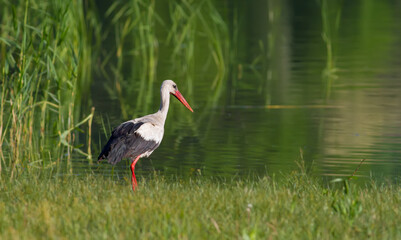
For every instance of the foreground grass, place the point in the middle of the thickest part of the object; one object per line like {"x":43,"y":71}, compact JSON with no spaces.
{"x":99,"y":208}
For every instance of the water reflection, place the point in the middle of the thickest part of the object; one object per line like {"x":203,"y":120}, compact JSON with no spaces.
{"x":226,"y":57}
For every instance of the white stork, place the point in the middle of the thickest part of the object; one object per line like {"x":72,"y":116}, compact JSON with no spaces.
{"x":141,"y":136}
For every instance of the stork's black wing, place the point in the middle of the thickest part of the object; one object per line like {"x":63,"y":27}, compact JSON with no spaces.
{"x":121,"y":141}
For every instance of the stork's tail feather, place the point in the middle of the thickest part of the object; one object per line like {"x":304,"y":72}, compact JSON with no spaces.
{"x":103,"y":154}
{"x":101,"y":157}
{"x":105,"y":151}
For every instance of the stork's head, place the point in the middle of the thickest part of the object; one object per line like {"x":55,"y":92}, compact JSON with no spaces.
{"x":171,"y":87}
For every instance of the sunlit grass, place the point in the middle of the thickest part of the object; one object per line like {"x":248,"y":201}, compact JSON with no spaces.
{"x":294,"y":207}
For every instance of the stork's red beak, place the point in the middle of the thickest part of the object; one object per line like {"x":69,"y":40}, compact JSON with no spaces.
{"x":179,"y":96}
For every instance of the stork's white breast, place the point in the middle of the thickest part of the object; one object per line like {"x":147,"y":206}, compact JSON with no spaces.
{"x":151,"y":132}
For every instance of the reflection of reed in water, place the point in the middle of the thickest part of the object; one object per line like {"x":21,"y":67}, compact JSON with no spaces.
{"x":133,"y":23}
{"x":331,"y":15}
{"x":140,"y":28}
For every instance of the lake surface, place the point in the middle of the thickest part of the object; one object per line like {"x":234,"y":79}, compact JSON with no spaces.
{"x":265,"y":89}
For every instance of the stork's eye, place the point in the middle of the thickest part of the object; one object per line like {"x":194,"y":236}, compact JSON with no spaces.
{"x":175,"y":86}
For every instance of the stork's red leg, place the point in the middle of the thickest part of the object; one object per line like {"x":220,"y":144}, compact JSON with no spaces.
{"x":133,"y":178}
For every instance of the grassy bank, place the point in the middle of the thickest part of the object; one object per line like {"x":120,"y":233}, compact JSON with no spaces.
{"x":99,"y":208}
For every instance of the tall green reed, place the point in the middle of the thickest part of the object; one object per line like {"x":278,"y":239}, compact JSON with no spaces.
{"x":45,"y":65}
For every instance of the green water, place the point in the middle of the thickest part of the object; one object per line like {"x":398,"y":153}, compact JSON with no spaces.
{"x":271,"y":82}
{"x":281,"y":96}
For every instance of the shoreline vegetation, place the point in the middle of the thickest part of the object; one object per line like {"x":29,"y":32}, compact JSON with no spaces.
{"x":293,"y":207}
{"x":46,"y":58}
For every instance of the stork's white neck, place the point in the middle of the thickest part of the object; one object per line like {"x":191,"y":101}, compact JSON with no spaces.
{"x":164,"y":104}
